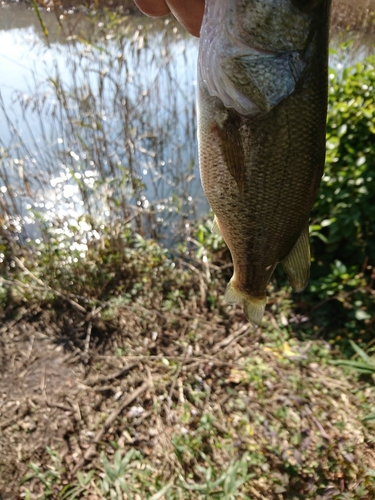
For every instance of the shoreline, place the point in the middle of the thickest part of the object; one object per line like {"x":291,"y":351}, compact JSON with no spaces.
{"x":344,"y":15}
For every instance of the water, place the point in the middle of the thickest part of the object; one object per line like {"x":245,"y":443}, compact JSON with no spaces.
{"x":99,"y":121}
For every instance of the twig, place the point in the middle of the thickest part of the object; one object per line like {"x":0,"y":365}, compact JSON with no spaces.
{"x":231,"y":338}
{"x":30,"y":349}
{"x":124,"y":402}
{"x":41,"y":283}
{"x":103,"y":388}
{"x":273,"y":321}
{"x":11,"y":324}
{"x":207,"y":388}
{"x":87,"y":341}
{"x":112,"y":376}
{"x":59,"y":406}
{"x":95,"y":311}
{"x":22,"y":411}
{"x":191,"y":363}
{"x":76,"y":408}
{"x":317,"y":423}
{"x":256,"y":493}
{"x":176,"y":376}
{"x":10,"y":421}
{"x":43,"y":384}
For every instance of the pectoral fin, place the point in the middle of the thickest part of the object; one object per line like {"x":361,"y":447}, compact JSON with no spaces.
{"x":297,"y":263}
{"x":215,"y":227}
{"x":232,"y":147}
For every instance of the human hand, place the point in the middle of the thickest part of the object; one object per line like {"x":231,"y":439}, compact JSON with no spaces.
{"x":189,"y":14}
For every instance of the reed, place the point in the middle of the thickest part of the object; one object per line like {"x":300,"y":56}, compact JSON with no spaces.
{"x":111,"y":134}
{"x":358,"y":15}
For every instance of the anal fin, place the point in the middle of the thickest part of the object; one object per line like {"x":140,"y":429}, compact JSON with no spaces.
{"x":253,"y":306}
{"x":297,"y":263}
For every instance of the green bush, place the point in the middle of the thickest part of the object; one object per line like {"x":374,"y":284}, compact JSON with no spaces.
{"x":343,"y":218}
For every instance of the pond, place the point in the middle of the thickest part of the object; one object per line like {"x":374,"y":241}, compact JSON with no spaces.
{"x":98,"y":121}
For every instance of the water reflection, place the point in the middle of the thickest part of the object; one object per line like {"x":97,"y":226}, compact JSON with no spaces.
{"x":100,"y":120}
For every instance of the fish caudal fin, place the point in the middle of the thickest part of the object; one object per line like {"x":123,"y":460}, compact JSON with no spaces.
{"x":297,"y":263}
{"x":254,"y":309}
{"x":253,"y":306}
{"x":215,"y":227}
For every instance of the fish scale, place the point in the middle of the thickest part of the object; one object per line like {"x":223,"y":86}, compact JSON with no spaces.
{"x":262,"y":154}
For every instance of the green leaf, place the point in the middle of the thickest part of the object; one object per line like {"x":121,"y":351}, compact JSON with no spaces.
{"x":117,"y":461}
{"x":108,"y":468}
{"x":361,"y":315}
{"x":362,"y":354}
{"x":356,"y":365}
{"x":160,"y":494}
{"x":369,"y":418}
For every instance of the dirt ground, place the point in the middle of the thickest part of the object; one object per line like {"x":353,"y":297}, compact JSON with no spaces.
{"x":60,"y":375}
{"x":76,"y":384}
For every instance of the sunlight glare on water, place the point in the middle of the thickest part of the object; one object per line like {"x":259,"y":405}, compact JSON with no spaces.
{"x":96,"y":126}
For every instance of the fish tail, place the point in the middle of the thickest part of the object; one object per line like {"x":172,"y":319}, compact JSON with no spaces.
{"x":254,"y":309}
{"x":253,"y":306}
{"x":297,"y":263}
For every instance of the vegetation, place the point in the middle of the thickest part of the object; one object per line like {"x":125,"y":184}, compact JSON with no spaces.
{"x":124,"y":373}
{"x":343,"y":229}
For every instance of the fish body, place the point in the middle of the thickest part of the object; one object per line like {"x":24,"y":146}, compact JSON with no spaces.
{"x":262,"y":104}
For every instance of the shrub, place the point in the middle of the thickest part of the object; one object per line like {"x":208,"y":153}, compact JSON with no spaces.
{"x":343,"y":218}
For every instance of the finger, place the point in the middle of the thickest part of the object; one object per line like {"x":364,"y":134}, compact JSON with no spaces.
{"x":189,"y":14}
{"x":154,"y":8}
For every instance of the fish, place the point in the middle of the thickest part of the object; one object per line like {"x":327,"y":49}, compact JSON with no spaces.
{"x":262,"y":106}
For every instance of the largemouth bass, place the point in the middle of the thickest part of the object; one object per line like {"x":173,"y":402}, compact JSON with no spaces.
{"x":262,"y":104}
